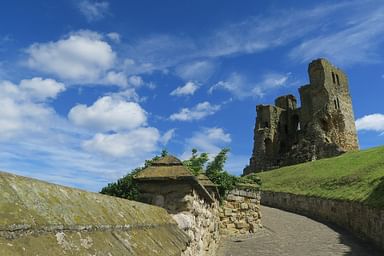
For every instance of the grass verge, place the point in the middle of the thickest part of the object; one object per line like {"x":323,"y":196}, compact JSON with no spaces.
{"x":354,"y":176}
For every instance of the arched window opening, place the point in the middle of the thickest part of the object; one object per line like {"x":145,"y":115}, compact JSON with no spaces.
{"x":337,"y":79}
{"x":334,"y":101}
{"x":295,"y":122}
{"x":266,"y":125}
{"x":338,"y":103}
{"x":333,"y":78}
{"x":324,"y":125}
{"x":268,"y":147}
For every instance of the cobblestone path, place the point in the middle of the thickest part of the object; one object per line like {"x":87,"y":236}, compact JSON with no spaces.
{"x":288,"y":234}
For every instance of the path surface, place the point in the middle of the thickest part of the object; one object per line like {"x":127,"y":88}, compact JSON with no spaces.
{"x":288,"y":234}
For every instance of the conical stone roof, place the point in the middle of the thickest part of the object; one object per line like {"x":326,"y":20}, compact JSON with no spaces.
{"x":163,"y":168}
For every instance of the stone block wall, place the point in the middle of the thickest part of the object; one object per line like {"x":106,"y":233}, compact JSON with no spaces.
{"x":240,"y":212}
{"x":363,"y":221}
{"x":200,"y":220}
{"x":196,"y":216}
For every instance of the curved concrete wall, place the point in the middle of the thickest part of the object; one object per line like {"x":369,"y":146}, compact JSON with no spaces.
{"x":363,"y":221}
{"x":39,"y":218}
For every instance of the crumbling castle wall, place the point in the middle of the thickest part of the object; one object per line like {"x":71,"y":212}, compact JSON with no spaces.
{"x":323,"y":126}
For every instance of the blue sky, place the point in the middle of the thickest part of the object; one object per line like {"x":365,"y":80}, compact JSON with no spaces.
{"x":90,"y":89}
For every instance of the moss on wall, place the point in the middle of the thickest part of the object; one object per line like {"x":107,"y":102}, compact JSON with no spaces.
{"x":39,"y":218}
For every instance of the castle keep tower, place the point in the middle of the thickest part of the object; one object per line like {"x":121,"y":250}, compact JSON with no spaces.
{"x":323,"y":126}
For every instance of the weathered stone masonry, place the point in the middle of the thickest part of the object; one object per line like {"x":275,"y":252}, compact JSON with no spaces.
{"x":322,"y":127}
{"x":240,"y":212}
{"x":194,"y":203}
{"x":170,"y":185}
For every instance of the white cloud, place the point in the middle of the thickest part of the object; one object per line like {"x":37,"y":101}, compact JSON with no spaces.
{"x":36,"y":89}
{"x":132,"y":144}
{"x":331,"y":29}
{"x":41,"y":89}
{"x":167,"y":136}
{"x":373,"y":122}
{"x":362,"y":35}
{"x":128,"y":94}
{"x":116,"y":78}
{"x":122,"y":80}
{"x":23,"y":108}
{"x":209,"y":140}
{"x":239,"y":86}
{"x":198,"y":112}
{"x":188,"y":89}
{"x":115,"y":37}
{"x":81,"y":57}
{"x":196,"y":70}
{"x":135,"y":81}
{"x":93,"y":10}
{"x":108,"y":114}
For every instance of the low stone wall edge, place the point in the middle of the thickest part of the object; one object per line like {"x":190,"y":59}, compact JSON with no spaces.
{"x":361,"y":220}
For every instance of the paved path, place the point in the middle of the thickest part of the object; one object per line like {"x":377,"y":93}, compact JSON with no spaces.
{"x":288,"y":234}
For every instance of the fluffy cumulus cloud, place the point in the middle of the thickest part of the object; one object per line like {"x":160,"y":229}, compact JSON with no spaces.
{"x":81,"y":57}
{"x":93,"y":10}
{"x":188,"y":89}
{"x":198,"y":112}
{"x":132,"y":143}
{"x":209,"y":140}
{"x":373,"y":122}
{"x":41,"y":89}
{"x":23,"y":110}
{"x":109,"y":114}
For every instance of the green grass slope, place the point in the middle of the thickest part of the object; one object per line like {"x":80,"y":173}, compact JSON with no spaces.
{"x":354,"y":176}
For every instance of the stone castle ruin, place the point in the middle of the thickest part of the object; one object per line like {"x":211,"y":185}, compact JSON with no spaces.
{"x":323,"y":126}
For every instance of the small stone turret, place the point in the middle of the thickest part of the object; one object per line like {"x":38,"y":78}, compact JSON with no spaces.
{"x":323,"y":126}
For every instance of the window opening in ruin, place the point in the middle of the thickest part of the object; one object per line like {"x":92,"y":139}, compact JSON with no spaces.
{"x":337,"y":78}
{"x":324,"y":125}
{"x":335,"y":103}
{"x":266,"y":125}
{"x":268,"y":147}
{"x":338,"y":103}
{"x":333,"y":78}
{"x":295,"y":122}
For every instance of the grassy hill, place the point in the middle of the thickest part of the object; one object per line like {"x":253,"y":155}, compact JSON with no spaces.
{"x":354,"y":176}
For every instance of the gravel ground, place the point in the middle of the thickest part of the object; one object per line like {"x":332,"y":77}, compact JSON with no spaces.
{"x":289,"y":234}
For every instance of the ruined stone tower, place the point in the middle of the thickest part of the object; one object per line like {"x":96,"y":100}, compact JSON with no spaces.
{"x":323,"y":126}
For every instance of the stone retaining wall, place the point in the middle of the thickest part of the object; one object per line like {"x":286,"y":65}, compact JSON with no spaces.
{"x":196,"y":216}
{"x":39,"y":218}
{"x":240,"y":212}
{"x":363,"y":221}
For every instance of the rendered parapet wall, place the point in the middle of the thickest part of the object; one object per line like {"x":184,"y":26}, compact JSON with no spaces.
{"x":38,"y":218}
{"x":240,"y":213}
